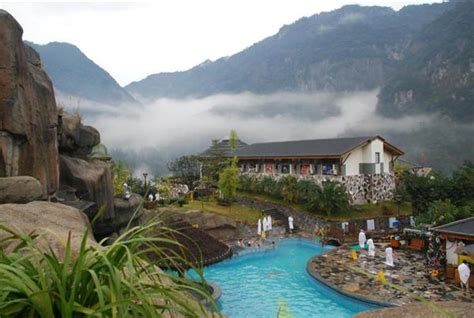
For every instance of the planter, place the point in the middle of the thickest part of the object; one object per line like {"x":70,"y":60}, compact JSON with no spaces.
{"x":394,"y":243}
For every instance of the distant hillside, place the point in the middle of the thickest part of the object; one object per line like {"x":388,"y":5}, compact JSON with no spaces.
{"x":74,"y":74}
{"x":438,"y":73}
{"x":352,"y":48}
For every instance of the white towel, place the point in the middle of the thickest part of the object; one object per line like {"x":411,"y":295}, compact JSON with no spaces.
{"x":362,"y":239}
{"x":371,"y":247}
{"x":464,"y":273}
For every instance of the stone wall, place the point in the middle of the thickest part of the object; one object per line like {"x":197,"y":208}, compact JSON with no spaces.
{"x":361,"y":188}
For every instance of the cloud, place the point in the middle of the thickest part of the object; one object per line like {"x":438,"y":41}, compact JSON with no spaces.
{"x":189,"y":125}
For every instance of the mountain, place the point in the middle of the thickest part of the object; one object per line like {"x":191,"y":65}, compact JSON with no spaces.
{"x":437,"y":75}
{"x":74,"y":74}
{"x":352,"y":48}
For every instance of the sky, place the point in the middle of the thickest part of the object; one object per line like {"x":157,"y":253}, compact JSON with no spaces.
{"x":132,"y":40}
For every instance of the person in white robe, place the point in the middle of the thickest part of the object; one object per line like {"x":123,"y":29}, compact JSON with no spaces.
{"x":269,"y":222}
{"x":464,"y":274}
{"x":264,"y":224}
{"x":290,"y":223}
{"x":389,"y":256}
{"x":362,"y":239}
{"x":371,"y":244}
{"x":259,"y":227}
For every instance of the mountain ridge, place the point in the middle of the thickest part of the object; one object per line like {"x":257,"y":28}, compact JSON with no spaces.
{"x":351,"y":48}
{"x":73,"y":73}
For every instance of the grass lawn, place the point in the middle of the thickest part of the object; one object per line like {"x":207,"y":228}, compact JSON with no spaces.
{"x":236,"y":211}
{"x":383,"y":209}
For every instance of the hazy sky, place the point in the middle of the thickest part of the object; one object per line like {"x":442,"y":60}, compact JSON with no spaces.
{"x":134,"y":39}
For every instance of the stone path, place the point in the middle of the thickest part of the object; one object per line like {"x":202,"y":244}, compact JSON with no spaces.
{"x":410,"y":275}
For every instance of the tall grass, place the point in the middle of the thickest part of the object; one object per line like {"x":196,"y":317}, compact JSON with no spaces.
{"x":100,"y":281}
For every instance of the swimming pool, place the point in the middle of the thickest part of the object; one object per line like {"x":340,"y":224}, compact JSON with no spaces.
{"x":258,"y":283}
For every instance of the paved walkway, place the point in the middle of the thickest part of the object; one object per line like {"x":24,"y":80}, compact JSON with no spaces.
{"x":411,"y":278}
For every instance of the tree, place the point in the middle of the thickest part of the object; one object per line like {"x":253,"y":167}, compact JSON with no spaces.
{"x":233,"y":139}
{"x":186,"y":170}
{"x":229,"y":181}
{"x":120,"y":175}
{"x":215,"y":162}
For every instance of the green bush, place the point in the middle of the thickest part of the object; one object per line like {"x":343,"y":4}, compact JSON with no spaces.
{"x":330,"y":199}
{"x":288,"y":189}
{"x":113,"y":281}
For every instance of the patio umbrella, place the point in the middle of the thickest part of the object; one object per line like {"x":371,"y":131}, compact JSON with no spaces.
{"x":259,"y":227}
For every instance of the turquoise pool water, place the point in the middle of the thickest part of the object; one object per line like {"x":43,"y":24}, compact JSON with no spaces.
{"x":255,"y":284}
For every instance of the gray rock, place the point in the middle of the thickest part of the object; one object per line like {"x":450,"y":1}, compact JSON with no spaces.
{"x":21,"y":189}
{"x":53,"y":221}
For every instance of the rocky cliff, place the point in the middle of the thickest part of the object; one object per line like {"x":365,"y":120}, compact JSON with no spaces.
{"x":28,"y":114}
{"x":44,"y":153}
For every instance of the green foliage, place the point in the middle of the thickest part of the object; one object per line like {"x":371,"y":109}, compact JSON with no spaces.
{"x":330,"y":199}
{"x":307,"y":190}
{"x":215,"y":163}
{"x":233,"y":139}
{"x":100,"y":281}
{"x":229,"y":180}
{"x":120,"y":175}
{"x":288,"y":187}
{"x":440,"y":200}
{"x":185,"y":169}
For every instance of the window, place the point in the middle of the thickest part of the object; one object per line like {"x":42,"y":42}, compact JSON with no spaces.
{"x":377,"y":157}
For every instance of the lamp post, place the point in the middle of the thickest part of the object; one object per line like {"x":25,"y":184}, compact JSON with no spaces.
{"x":144,"y":177}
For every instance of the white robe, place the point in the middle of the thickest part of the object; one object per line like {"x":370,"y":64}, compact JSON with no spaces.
{"x":259,"y":227}
{"x":362,"y":239}
{"x":269,"y":222}
{"x":371,"y":247}
{"x":464,"y":273}
{"x":290,"y":222}
{"x":264,"y":224}
{"x":389,"y":256}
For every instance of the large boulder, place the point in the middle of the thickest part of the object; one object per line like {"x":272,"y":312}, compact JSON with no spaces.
{"x":53,"y":221}
{"x":124,"y":211}
{"x":28,"y":113}
{"x":92,"y":181}
{"x":22,"y":189}
{"x":76,"y":139}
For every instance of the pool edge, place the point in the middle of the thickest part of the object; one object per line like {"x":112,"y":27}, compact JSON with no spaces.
{"x":321,"y":280}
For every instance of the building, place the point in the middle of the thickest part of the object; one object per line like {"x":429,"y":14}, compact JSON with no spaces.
{"x":458,"y":236}
{"x":364,"y":165}
{"x":338,"y":156}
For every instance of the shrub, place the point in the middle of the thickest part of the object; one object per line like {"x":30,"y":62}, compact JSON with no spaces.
{"x":288,"y":189}
{"x":246,"y":183}
{"x":113,"y":281}
{"x":331,"y":199}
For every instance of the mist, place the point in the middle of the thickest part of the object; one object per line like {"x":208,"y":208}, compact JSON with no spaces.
{"x":151,"y":135}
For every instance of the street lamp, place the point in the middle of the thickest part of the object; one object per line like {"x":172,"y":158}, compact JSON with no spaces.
{"x":144,"y":177}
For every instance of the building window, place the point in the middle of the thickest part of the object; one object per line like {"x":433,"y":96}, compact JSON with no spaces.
{"x":377,"y":157}
{"x":285,"y":169}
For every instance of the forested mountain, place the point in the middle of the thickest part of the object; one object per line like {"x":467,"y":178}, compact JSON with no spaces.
{"x":437,"y":75}
{"x":352,"y":48}
{"x":73,"y":73}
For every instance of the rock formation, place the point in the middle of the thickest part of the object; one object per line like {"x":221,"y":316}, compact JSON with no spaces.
{"x":92,"y":181}
{"x":53,"y":220}
{"x":20,"y":189}
{"x":28,"y":114}
{"x":44,"y":153}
